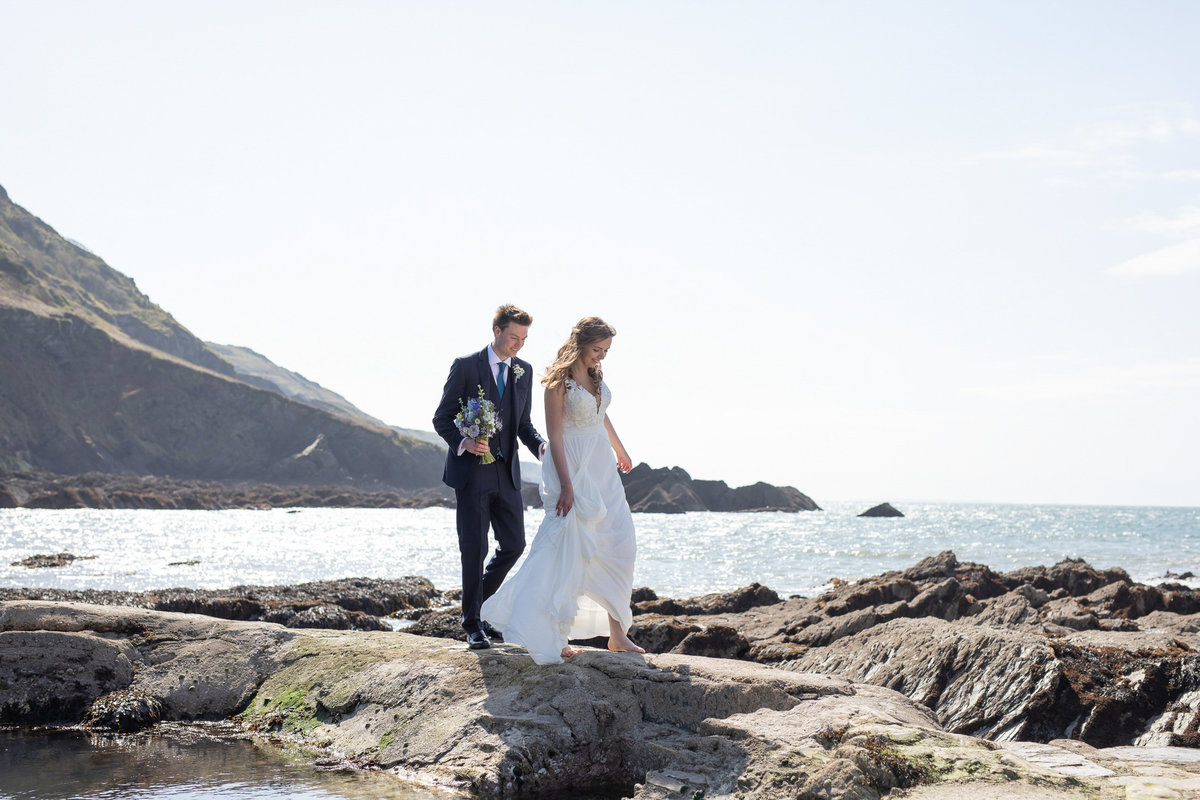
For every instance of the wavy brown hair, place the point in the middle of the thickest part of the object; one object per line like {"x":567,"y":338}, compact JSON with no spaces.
{"x":587,"y":331}
{"x":509,"y":313}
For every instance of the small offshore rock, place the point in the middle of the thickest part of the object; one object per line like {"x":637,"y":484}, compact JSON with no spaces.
{"x":44,"y":561}
{"x":882,"y":510}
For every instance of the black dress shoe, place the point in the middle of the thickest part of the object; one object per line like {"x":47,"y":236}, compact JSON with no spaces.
{"x":478,"y":641}
{"x":492,"y":633}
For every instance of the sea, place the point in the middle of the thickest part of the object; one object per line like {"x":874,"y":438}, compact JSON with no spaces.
{"x":679,"y":555}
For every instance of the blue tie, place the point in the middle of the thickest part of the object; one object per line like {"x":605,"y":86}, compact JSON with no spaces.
{"x":500,"y":385}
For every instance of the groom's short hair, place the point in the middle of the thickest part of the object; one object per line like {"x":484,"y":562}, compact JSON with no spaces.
{"x":510,"y":313}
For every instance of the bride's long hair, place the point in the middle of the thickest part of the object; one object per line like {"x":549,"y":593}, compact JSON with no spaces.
{"x":587,"y":331}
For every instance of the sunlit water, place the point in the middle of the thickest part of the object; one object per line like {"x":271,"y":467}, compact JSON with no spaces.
{"x":678,"y":555}
{"x":177,"y":762}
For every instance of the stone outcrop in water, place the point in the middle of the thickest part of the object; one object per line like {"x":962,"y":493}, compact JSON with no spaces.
{"x":673,"y":491}
{"x":49,"y":560}
{"x":497,"y":725}
{"x":882,"y":510}
{"x":1038,"y":654}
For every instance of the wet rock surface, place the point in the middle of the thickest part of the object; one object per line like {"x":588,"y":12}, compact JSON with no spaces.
{"x":1036,"y":654}
{"x":940,"y":681}
{"x":495,"y":725}
{"x":348,"y":604}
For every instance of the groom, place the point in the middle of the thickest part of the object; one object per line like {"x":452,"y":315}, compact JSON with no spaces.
{"x":489,"y":494}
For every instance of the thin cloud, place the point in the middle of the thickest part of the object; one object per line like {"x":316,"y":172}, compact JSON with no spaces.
{"x":1154,"y":128}
{"x":1106,"y":143}
{"x":1175,"y":259}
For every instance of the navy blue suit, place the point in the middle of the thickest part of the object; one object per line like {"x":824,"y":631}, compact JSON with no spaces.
{"x":487,"y":495}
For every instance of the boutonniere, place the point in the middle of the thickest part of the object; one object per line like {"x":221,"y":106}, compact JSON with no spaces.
{"x":517,"y":371}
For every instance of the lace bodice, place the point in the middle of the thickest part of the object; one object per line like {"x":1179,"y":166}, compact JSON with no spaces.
{"x":580,"y":408}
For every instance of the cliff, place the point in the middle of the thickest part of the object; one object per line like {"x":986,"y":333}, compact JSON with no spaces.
{"x":98,"y":378}
{"x":258,"y":370}
{"x":44,"y":273}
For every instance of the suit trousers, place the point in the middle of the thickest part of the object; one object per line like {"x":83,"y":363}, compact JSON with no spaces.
{"x":488,"y":500}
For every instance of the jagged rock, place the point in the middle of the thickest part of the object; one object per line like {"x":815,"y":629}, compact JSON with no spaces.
{"x":1124,"y":600}
{"x":714,"y":641}
{"x":979,"y":681}
{"x":496,"y":725}
{"x":882,"y":510}
{"x":495,"y":722}
{"x":943,"y":565}
{"x":659,"y":606}
{"x":354,"y":603}
{"x":1073,"y":575}
{"x":673,"y":490}
{"x":1037,"y":653}
{"x":334,"y":617}
{"x":1011,"y":610}
{"x":674,"y":499}
{"x":736,"y":601}
{"x":444,"y":623}
{"x":660,"y":634}
{"x":123,"y":711}
{"x":1010,"y":684}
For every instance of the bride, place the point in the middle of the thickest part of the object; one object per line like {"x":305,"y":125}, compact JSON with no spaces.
{"x":577,"y":580}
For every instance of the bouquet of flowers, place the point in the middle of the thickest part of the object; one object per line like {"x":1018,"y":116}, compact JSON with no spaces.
{"x":478,"y":420}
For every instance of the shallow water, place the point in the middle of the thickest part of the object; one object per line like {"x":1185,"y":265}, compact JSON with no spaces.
{"x":179,"y":762}
{"x":679,"y":555}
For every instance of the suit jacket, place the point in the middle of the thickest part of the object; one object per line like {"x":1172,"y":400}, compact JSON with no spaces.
{"x":467,"y":374}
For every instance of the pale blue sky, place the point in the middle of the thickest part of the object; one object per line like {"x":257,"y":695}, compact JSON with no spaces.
{"x":874,"y":250}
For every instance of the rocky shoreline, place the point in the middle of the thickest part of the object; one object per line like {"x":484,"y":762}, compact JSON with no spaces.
{"x":1062,"y":681}
{"x":41,"y":489}
{"x":664,"y":490}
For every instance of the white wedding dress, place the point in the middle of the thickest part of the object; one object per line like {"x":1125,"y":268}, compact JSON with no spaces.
{"x":580,"y":567}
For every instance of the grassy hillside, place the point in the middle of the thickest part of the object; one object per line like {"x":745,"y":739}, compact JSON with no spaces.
{"x":43,"y":272}
{"x":258,"y":370}
{"x":97,"y":377}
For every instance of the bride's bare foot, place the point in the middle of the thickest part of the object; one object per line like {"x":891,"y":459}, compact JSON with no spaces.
{"x":623,"y":644}
{"x":569,"y":651}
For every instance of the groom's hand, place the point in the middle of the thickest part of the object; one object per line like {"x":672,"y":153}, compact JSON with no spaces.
{"x":477,"y":447}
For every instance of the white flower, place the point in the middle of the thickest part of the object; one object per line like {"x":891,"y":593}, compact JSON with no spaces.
{"x":517,"y":371}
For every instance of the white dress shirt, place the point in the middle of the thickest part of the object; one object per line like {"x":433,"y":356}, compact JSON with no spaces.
{"x":493,"y":362}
